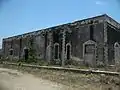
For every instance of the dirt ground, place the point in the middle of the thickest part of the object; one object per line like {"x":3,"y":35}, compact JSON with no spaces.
{"x":14,"y":80}
{"x":27,"y":78}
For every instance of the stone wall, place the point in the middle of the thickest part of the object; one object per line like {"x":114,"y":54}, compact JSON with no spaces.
{"x":113,"y":37}
{"x":81,"y":34}
{"x":44,"y":41}
{"x":70,"y":36}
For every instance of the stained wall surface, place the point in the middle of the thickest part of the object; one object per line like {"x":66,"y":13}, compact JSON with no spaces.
{"x":56,"y":39}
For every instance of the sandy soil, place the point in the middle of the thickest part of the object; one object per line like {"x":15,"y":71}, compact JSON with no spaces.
{"x":14,"y":80}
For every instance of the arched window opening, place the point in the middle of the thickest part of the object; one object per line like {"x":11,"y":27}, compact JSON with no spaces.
{"x":56,"y":47}
{"x":68,"y":51}
{"x":116,"y":44}
{"x":11,"y":51}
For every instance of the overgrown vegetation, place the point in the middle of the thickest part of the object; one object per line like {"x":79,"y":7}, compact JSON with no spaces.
{"x":31,"y":52}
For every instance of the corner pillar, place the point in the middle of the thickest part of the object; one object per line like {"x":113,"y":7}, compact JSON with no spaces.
{"x":105,"y":44}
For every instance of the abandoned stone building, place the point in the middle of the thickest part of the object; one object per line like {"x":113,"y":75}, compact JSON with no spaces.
{"x":93,"y":41}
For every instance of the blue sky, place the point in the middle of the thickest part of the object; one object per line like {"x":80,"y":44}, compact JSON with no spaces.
{"x":20,"y":16}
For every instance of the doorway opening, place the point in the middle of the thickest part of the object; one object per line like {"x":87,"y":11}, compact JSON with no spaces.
{"x":26,"y":54}
{"x":68,"y":51}
{"x":89,"y":53}
{"x":11,"y":51}
{"x":56,"y":48}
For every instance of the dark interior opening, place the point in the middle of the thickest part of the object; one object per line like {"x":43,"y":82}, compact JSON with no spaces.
{"x":12,"y":44}
{"x":20,"y":43}
{"x":26,"y":53}
{"x":116,"y":45}
{"x":91,"y":32}
{"x":56,"y":37}
{"x":20,"y":48}
{"x":56,"y":51}
{"x":11,"y":52}
{"x":68,"y":52}
{"x":89,"y":49}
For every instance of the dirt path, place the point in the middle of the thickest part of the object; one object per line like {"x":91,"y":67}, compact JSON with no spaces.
{"x":14,"y":80}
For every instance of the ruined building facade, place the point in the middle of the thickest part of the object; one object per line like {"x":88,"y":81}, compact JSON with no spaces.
{"x":93,"y":41}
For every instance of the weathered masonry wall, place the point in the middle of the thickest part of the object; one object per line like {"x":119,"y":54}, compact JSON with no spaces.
{"x":113,"y":37}
{"x":59,"y":43}
{"x":18,"y":44}
{"x":44,"y":42}
{"x":80,"y":41}
{"x":81,"y":34}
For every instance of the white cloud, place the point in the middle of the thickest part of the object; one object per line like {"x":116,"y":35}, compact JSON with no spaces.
{"x":100,"y":2}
